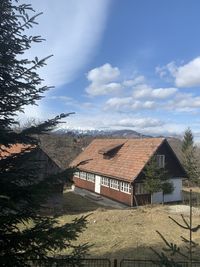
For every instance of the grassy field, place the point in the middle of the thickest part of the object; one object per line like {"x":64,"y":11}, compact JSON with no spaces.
{"x":127,"y":233}
{"x":76,"y":204}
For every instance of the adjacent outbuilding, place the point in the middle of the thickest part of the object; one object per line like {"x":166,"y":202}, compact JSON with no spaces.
{"x":42,"y":165}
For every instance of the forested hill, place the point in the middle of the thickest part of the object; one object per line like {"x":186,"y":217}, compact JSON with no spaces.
{"x":64,"y":147}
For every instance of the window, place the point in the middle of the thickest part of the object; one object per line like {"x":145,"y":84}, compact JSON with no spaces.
{"x":76,"y":174}
{"x":139,"y":189}
{"x":160,"y":161}
{"x":90,"y":177}
{"x":105,"y":181}
{"x":83,"y":175}
{"x":114,"y":184}
{"x":125,"y":187}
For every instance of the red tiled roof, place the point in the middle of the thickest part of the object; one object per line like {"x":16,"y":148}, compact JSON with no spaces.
{"x":13,"y":149}
{"x":126,"y":164}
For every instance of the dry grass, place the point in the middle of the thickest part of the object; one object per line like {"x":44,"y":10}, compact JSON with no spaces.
{"x":127,"y":233}
{"x":73,"y":203}
{"x":195,"y":189}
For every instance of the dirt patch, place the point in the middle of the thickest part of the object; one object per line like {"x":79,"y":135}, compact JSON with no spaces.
{"x":183,"y":209}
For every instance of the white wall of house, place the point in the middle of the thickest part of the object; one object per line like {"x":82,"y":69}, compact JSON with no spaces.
{"x":176,"y":195}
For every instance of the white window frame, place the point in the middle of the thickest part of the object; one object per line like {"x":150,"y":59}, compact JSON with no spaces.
{"x":77,"y":174}
{"x":160,"y":161}
{"x":82,"y":175}
{"x":105,"y":181}
{"x":91,"y":177}
{"x":114,"y":184}
{"x":125,"y":187}
{"x":139,"y":189}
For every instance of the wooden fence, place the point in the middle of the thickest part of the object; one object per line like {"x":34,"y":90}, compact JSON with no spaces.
{"x":102,"y":262}
{"x":195,"y":198}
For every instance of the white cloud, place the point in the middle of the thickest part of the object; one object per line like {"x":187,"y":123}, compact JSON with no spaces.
{"x":39,"y":113}
{"x":145,"y":91}
{"x":88,"y":105}
{"x":60,"y":97}
{"x":139,"y":122}
{"x":112,"y":121}
{"x":71,"y":36}
{"x":144,"y":125}
{"x":67,"y":101}
{"x":164,"y":71}
{"x":102,"y":89}
{"x":103,"y":80}
{"x":167,"y":129}
{"x":188,"y":75}
{"x":119,"y":104}
{"x":185,"y":75}
{"x":184,"y":103}
{"x":103,"y":74}
{"x":162,"y":93}
{"x":137,"y":105}
{"x":138,"y":80}
{"x":142,"y":91}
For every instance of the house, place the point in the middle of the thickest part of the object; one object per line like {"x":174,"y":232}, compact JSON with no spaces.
{"x":114,"y":168}
{"x":43,"y":166}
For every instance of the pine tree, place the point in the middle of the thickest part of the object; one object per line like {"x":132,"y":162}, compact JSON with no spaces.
{"x":157,"y":179}
{"x":152,"y":183}
{"x":189,"y":157}
{"x":188,"y":140}
{"x":188,"y":253}
{"x":25,"y":234}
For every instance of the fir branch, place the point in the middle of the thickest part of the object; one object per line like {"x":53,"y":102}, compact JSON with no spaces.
{"x":182,"y":226}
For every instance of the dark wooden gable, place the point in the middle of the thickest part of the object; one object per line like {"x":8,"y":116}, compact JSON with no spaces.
{"x":172,"y":163}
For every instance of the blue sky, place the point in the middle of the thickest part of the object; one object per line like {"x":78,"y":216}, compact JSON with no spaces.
{"x":131,"y":64}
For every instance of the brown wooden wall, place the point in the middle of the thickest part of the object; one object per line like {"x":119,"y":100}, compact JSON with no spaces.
{"x":171,"y":162}
{"x":141,"y":200}
{"x":116,"y":195}
{"x":84,"y":184}
{"x":105,"y":191}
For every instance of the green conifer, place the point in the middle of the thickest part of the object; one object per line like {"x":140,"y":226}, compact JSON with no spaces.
{"x":26,"y":235}
{"x":189,"y":158}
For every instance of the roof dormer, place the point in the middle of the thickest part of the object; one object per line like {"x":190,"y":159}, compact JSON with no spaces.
{"x":110,"y":151}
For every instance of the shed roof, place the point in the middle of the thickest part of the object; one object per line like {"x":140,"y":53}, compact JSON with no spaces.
{"x":125,"y":164}
{"x":14,"y":149}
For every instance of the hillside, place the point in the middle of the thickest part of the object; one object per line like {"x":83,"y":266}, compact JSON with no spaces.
{"x":127,"y":233}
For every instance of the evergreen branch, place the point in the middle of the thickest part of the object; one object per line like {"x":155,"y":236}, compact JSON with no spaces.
{"x":24,"y":184}
{"x":195,"y":229}
{"x":182,"y":226}
{"x":46,"y":125}
{"x":30,"y":20}
{"x":37,"y":63}
{"x":171,"y":247}
{"x":164,"y":260}
{"x":188,"y":241}
{"x":83,"y":162}
{"x":186,"y":223}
